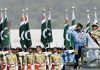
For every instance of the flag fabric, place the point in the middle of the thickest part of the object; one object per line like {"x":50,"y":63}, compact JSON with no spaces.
{"x":88,"y":24}
{"x":49,"y":30}
{"x":73,"y":23}
{"x":95,"y":18}
{"x":88,"y":28}
{"x":22,"y":31}
{"x":5,"y":33}
{"x":66,"y":36}
{"x":28,"y":41}
{"x":43,"y":30}
{"x":1,"y":22}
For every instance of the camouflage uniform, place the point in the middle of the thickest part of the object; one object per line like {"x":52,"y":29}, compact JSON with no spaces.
{"x":30,"y":60}
{"x":11,"y":61}
{"x":40,"y":61}
{"x":55,"y":60}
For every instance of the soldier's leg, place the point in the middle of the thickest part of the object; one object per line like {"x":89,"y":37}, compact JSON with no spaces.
{"x":29,"y":67}
{"x":19,"y":67}
{"x":76,"y":57}
{"x":42,"y":68}
{"x":23,"y":66}
{"x":4,"y":67}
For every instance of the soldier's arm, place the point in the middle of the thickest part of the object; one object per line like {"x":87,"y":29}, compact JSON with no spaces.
{"x":71,"y":29}
{"x":50,"y":56}
{"x":34,"y":61}
{"x":33,"y":58}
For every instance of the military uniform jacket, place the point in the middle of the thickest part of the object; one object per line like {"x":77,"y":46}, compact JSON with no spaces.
{"x":30,"y":58}
{"x":39,"y":58}
{"x":55,"y":58}
{"x":11,"y":58}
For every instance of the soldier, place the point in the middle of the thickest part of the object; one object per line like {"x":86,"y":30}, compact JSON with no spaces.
{"x":11,"y":60}
{"x":79,"y":40}
{"x":21,"y":62}
{"x":30,"y":59}
{"x":40,"y":59}
{"x":3,"y":60}
{"x":95,"y":34}
{"x":55,"y":60}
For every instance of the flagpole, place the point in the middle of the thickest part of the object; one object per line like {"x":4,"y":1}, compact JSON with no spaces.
{"x":95,"y":16}
{"x":48,"y":19}
{"x":88,"y":18}
{"x":5,"y":11}
{"x":73,"y":18}
{"x":27,"y":10}
{"x":44,"y":10}
{"x":73,"y":13}
{"x":23,"y":15}
{"x":26,"y":19}
{"x":9,"y":46}
{"x":66,"y":23}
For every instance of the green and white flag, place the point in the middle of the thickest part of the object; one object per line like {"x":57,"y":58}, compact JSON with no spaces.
{"x":95,"y":17}
{"x":28,"y":41}
{"x":22,"y":31}
{"x":88,"y":26}
{"x":1,"y":22}
{"x":43,"y":30}
{"x":73,"y":23}
{"x":49,"y":30}
{"x":66,"y":36}
{"x":5,"y":33}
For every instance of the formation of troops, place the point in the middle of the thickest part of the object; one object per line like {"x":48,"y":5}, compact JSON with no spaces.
{"x":33,"y":59}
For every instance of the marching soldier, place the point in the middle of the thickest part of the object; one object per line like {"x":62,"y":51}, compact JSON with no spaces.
{"x":3,"y":59}
{"x":79,"y":40}
{"x":11,"y":60}
{"x":40,"y":59}
{"x":55,"y":60}
{"x":30,"y":59}
{"x":21,"y":63}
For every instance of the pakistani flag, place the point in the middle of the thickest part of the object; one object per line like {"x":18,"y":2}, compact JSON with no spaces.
{"x":95,"y":17}
{"x":73,"y":17}
{"x":43,"y":30}
{"x":28,"y":41}
{"x":49,"y":30}
{"x":5,"y":32}
{"x":66,"y":36}
{"x":73,"y":23}
{"x":1,"y":22}
{"x":88,"y":23}
{"x":88,"y":27}
{"x":22,"y":31}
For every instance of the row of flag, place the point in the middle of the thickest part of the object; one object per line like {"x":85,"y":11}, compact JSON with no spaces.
{"x":46,"y":29}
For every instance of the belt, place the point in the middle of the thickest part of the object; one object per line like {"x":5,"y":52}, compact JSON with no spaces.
{"x":11,"y":65}
{"x":40,"y":65}
{"x":55,"y":64}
